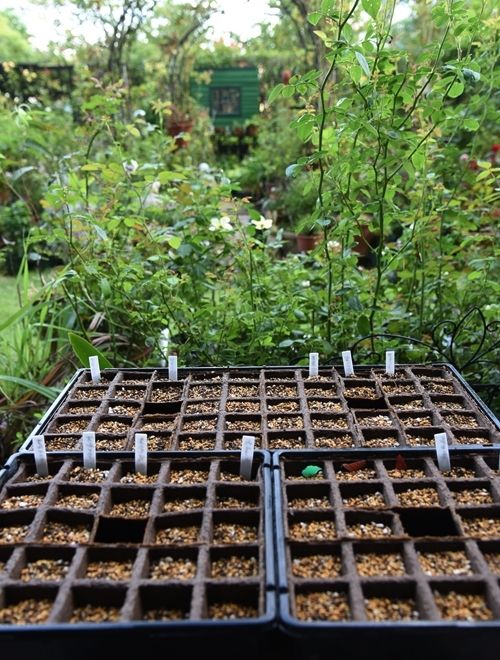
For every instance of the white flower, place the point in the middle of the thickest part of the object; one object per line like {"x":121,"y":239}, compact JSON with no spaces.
{"x":130,"y":166}
{"x":262,"y":223}
{"x":221,"y":224}
{"x":155,"y":187}
{"x":139,"y":113}
{"x":305,"y":283}
{"x":204,"y":167}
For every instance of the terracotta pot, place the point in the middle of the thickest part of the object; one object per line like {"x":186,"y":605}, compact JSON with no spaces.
{"x":307,"y":242}
{"x":177,"y":126}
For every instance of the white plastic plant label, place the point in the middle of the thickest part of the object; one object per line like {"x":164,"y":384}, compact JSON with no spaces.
{"x":313,"y":364}
{"x":348,"y":366}
{"x":390,"y":363}
{"x":246,"y":459}
{"x":163,"y":345}
{"x":88,"y":444}
{"x":95,"y":369}
{"x":40,"y":453}
{"x":172,"y":367}
{"x":442,"y":452}
{"x":141,"y":453}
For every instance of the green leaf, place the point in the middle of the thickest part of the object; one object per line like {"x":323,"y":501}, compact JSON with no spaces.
{"x":314,"y":17}
{"x":174,"y":242}
{"x":471,"y":75}
{"x":286,"y":343}
{"x":363,"y":63}
{"x":483,"y":175}
{"x":288,"y":91}
{"x":363,"y":325}
{"x":456,"y":89}
{"x":326,"y":5}
{"x":48,"y":392}
{"x":133,"y":130}
{"x":166,"y":177}
{"x":355,"y":73}
{"x":275,"y":92}
{"x":371,"y":7}
{"x":418,"y":160}
{"x":91,"y":167}
{"x":471,"y":124}
{"x":84,"y":349}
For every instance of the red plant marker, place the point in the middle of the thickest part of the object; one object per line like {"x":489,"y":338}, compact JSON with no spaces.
{"x":354,"y":466}
{"x":401,"y":463}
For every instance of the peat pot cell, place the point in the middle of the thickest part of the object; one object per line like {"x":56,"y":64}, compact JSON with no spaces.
{"x":44,"y":564}
{"x":245,"y":423}
{"x":333,"y":440}
{"x":160,"y":441}
{"x":27,"y":605}
{"x":355,"y":388}
{"x":110,"y":443}
{"x":5,"y":555}
{"x":23,"y":497}
{"x":129,"y":393}
{"x":186,"y":474}
{"x":158,"y":423}
{"x":461,"y":468}
{"x":123,"y":409}
{"x":355,"y":471}
{"x":286,"y":440}
{"x":225,"y":602}
{"x":407,"y":402}
{"x":374,"y":420}
{"x":415,"y":420}
{"x":380,"y":438}
{"x":303,"y":470}
{"x":205,"y":391}
{"x":79,"y":474}
{"x":325,"y":405}
{"x":462,"y":602}
{"x":324,"y":603}
{"x":63,"y":442}
{"x":461,"y":420}
{"x":106,"y":376}
{"x":70,"y":424}
{"x":428,"y":372}
{"x":205,"y":407}
{"x":237,"y":497}
{"x":178,"y":529}
{"x":423,"y":495}
{"x":471,"y":493}
{"x":136,"y":378}
{"x":201,"y":442}
{"x":200,"y":377}
{"x":379,"y":560}
{"x":230,"y":471}
{"x":281,"y":390}
{"x":77,"y":498}
{"x":481,"y":523}
{"x":438,"y":387}
{"x":369,"y":525}
{"x":491,"y":554}
{"x":283,"y":422}
{"x":185,"y":499}
{"x":322,"y":391}
{"x":200,"y":423}
{"x":94,"y":604}
{"x":280,"y":375}
{"x":87,"y":409}
{"x":422,"y":437}
{"x":163,"y":603}
{"x":283,"y":405}
{"x":315,"y":561}
{"x":243,"y":391}
{"x":395,"y":388}
{"x":403,"y":468}
{"x":234,"y":563}
{"x":327,"y":421}
{"x":244,"y":406}
{"x":108,"y":564}
{"x":235,"y":528}
{"x":132,"y":502}
{"x":322,"y":377}
{"x":390,"y":602}
{"x":120,"y":530}
{"x":427,"y":521}
{"x":450,"y":402}
{"x":171,"y":564}
{"x":27,"y":473}
{"x":473,"y":437}
{"x":234,"y":440}
{"x":165,"y":394}
{"x":66,"y":528}
{"x":312,"y":526}
{"x":128,"y":475}
{"x":363,"y":496}
{"x":14,"y":525}
{"x":443,"y":559}
{"x":310,"y":496}
{"x":88,"y":393}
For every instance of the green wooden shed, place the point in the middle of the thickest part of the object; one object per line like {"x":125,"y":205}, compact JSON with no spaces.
{"x":231,"y":95}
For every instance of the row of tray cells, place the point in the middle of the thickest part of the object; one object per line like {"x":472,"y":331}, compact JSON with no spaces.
{"x":35,"y":564}
{"x":62,"y":527}
{"x":89,"y":604}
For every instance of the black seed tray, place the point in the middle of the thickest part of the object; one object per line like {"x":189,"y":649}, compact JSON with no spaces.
{"x":163,"y":556}
{"x":376,"y":552}
{"x":210,"y":409}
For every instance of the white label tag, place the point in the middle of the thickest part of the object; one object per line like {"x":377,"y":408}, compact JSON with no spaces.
{"x":95,"y":369}
{"x":313,"y":364}
{"x":390,"y":363}
{"x":172,"y":367}
{"x":246,"y":460}
{"x":348,"y":366}
{"x":40,"y":452}
{"x":163,"y":345}
{"x":141,"y":453}
{"x":442,"y":452}
{"x":88,"y":442}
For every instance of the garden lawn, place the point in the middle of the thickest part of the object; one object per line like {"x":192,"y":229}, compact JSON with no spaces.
{"x":9,"y":303}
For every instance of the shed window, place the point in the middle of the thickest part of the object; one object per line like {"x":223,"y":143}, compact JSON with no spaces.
{"x":225,"y":101}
